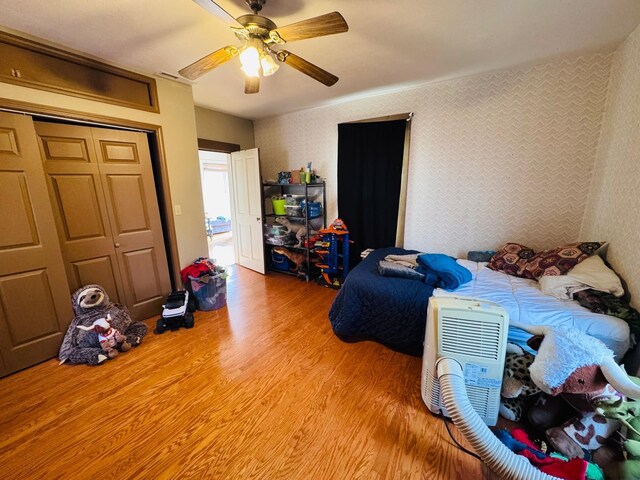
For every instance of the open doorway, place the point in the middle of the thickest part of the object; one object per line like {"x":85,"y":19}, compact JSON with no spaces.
{"x":217,"y":206}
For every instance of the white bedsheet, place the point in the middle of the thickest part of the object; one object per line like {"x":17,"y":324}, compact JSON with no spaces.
{"x":525,"y":303}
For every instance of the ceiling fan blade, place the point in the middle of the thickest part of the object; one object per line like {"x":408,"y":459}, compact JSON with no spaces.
{"x":251,"y":84}
{"x":211,"y":61}
{"x":313,"y":27}
{"x":215,"y":9}
{"x":307,"y":68}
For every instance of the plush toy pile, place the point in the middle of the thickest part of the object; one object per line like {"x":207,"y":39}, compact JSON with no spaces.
{"x":100,"y":328}
{"x":574,"y":372}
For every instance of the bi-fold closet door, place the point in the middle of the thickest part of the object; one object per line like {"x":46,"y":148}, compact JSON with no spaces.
{"x":78,"y":205}
{"x":34,"y":296}
{"x":103,"y":195}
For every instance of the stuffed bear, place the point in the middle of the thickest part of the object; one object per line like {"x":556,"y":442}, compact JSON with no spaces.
{"x":516,"y":383}
{"x":91,"y":303}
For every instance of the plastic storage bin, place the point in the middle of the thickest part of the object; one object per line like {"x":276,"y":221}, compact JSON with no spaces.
{"x":278,"y":206}
{"x":279,"y":262}
{"x":210,"y":291}
{"x":291,"y":199}
{"x":285,"y":239}
{"x":312,"y":209}
{"x":294,"y":210}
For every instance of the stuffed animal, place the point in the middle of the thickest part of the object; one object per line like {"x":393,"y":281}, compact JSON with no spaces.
{"x":91,"y":303}
{"x":298,"y":259}
{"x":516,"y":382}
{"x":569,"y":360}
{"x":589,"y":430}
{"x":627,"y":413}
{"x":298,"y":228}
{"x":572,"y":362}
{"x":111,"y":340}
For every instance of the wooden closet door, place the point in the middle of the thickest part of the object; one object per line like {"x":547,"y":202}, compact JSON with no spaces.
{"x":77,"y":197}
{"x":127,"y":178}
{"x":35,"y":305}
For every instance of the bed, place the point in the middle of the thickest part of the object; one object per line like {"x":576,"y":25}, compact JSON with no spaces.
{"x":389,"y":310}
{"x":392,"y":310}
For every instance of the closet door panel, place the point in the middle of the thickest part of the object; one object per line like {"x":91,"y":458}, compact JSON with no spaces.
{"x":35,"y":307}
{"x":127,"y":177}
{"x":130,"y":210}
{"x":98,"y":270}
{"x":76,"y":192}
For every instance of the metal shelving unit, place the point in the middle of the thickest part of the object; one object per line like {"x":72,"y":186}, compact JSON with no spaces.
{"x":313,"y":192}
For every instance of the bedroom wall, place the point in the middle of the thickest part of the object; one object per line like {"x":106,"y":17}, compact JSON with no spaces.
{"x":613,"y":212}
{"x":177,"y":120}
{"x":213,"y":125}
{"x":504,"y":156}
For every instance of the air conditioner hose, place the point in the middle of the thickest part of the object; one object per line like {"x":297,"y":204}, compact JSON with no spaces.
{"x":493,"y":452}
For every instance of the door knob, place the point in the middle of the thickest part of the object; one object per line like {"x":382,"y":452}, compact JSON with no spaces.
{"x":257,"y":219}
{"x":117,"y":245}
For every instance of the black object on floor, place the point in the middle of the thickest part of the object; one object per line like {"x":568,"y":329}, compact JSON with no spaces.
{"x":176,"y":313}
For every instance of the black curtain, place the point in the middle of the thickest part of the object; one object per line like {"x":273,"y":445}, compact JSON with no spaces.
{"x":369,"y":177}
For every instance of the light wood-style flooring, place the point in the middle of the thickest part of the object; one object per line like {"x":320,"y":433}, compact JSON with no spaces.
{"x":260,"y":389}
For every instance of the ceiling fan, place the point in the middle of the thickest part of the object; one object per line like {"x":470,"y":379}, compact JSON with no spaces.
{"x":260,"y":35}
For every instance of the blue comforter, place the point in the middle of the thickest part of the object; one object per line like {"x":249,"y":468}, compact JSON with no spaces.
{"x":389,"y":310}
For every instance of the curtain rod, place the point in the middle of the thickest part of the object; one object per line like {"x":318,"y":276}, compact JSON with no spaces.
{"x":386,"y":118}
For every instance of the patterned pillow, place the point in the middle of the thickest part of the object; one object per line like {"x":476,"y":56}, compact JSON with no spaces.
{"x":511,"y":259}
{"x":558,"y":261}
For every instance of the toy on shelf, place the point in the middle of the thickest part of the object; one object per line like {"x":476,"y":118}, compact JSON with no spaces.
{"x":334,"y":263}
{"x":298,"y":259}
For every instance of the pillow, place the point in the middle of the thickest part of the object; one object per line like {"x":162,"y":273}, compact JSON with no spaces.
{"x":593,"y":272}
{"x":558,"y":261}
{"x":511,"y":259}
{"x":561,"y":286}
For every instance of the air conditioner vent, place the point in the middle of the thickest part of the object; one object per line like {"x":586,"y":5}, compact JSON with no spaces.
{"x":479,"y":398}
{"x":433,"y":384}
{"x":475,"y":337}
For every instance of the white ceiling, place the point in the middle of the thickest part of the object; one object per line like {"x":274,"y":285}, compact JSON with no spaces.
{"x":390,"y":43}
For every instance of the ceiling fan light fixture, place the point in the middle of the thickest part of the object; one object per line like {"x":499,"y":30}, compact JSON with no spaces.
{"x":250,"y":60}
{"x":269,"y":65}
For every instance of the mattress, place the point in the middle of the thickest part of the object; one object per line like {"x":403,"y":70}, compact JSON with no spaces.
{"x":525,"y":303}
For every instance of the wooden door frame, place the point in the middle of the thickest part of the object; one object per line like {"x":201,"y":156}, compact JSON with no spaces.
{"x":159,"y":157}
{"x":228,"y":148}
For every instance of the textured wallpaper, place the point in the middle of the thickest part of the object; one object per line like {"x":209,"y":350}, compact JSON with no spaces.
{"x":505,"y":156}
{"x":614,"y":203}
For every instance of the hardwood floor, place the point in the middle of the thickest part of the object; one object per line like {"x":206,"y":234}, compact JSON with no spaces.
{"x":260,"y":389}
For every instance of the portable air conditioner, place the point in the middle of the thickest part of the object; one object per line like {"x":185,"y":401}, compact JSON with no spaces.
{"x":474,"y":334}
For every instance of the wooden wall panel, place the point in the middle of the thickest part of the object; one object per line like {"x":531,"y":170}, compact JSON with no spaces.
{"x":29,"y":63}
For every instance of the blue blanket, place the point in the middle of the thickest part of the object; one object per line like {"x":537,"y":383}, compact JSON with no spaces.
{"x":389,"y":310}
{"x":450,"y":275}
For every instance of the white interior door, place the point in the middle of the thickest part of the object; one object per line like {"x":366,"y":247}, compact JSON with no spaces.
{"x":247,"y":202}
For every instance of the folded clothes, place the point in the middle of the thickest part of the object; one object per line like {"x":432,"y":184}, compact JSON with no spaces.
{"x":396,"y":269}
{"x":409,"y":260}
{"x":450,"y":274}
